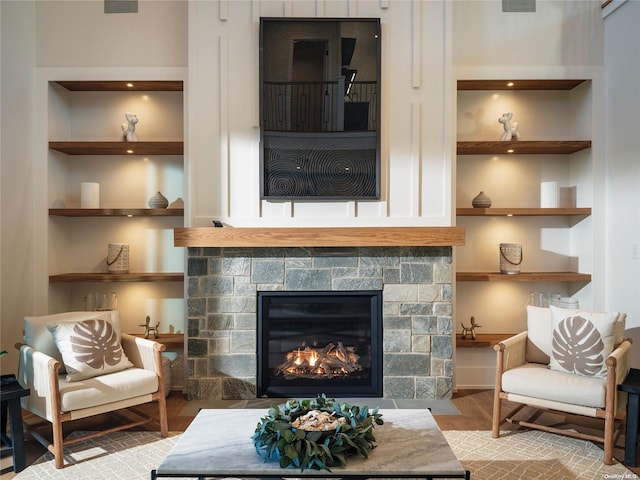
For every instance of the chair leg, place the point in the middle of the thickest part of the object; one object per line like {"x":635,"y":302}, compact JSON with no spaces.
{"x":164,"y":423}
{"x":495,"y":422}
{"x":58,"y":447}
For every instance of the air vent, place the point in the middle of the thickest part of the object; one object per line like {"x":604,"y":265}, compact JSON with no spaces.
{"x":120,"y":6}
{"x":518,"y":5}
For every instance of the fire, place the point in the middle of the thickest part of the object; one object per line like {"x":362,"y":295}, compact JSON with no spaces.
{"x":332,"y":360}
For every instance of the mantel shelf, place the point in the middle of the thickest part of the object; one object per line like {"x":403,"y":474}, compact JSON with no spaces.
{"x":319,"y":237}
{"x":117,"y":212}
{"x":523,"y":277}
{"x":522,"y":147}
{"x":524,"y":212}
{"x":118,"y":148}
{"x":116,"y":277}
{"x":122,"y":85}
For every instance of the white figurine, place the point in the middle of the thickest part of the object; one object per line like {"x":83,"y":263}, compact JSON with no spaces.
{"x":510,"y":129}
{"x":129,"y":128}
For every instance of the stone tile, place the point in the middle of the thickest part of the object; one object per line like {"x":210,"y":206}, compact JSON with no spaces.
{"x":267,"y":271}
{"x":441,"y":346}
{"x":197,"y":347}
{"x":399,"y":387}
{"x":233,"y":365}
{"x":400,"y":293}
{"x":243,"y":341}
{"x":416,"y":273}
{"x":352,"y":284}
{"x":239,"y":388}
{"x":406,"y":364}
{"x":216,"y":285}
{"x":335,"y":261}
{"x":397,"y":341}
{"x":424,"y":324}
{"x":421,"y":343}
{"x":298,"y":279}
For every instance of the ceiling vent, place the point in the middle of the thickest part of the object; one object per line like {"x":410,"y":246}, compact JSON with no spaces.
{"x":120,"y":6}
{"x":518,"y":5}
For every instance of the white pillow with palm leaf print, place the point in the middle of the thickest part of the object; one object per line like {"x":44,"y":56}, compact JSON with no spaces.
{"x":582,"y":341}
{"x":89,"y":348}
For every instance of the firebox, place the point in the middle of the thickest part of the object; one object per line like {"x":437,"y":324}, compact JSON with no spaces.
{"x":319,"y":342}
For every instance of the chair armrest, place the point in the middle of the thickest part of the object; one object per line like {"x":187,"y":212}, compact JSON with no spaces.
{"x":143,"y":352}
{"x":620,"y":359}
{"x":512,"y":350}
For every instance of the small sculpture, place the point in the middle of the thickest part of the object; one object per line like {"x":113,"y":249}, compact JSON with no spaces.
{"x":129,"y":128}
{"x":148,"y":328}
{"x":510,"y":129}
{"x":470,"y":330}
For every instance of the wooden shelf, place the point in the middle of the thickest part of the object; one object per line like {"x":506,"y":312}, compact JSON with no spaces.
{"x":523,"y":277}
{"x":319,"y":237}
{"x":171,"y":340}
{"x":483,"y":340}
{"x":523,"y":147}
{"x":116,"y":277}
{"x":521,"y":212}
{"x":118,"y":148}
{"x":518,"y":84}
{"x":122,"y":85}
{"x":117,"y":212}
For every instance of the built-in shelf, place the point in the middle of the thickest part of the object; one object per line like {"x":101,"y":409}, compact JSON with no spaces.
{"x":122,"y":85}
{"x":319,"y":237}
{"x":523,"y":147}
{"x":118,"y":148}
{"x":523,"y":277}
{"x":171,"y":340}
{"x":541,"y":84}
{"x":116,"y":277}
{"x":522,"y":212}
{"x":483,"y":340}
{"x":117,"y":212}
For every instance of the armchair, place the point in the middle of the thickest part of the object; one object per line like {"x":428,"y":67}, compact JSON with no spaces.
{"x":558,"y":365}
{"x":70,"y":381}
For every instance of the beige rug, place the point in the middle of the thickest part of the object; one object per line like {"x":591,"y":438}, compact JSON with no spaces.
{"x":529,"y":455}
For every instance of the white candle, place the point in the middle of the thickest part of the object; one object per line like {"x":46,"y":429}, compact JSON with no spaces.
{"x":549,"y":195}
{"x":90,"y":195}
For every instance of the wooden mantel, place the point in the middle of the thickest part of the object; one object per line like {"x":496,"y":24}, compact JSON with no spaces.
{"x":319,"y":237}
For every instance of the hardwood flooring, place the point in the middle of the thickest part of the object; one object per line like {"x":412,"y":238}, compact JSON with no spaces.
{"x":475,"y":407}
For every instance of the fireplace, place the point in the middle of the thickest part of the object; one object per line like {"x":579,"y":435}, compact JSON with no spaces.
{"x":319,"y":342}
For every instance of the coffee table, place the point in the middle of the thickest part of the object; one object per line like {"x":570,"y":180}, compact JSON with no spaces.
{"x":218,"y":444}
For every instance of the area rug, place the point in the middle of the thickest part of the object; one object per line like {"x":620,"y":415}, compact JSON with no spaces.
{"x":529,"y":455}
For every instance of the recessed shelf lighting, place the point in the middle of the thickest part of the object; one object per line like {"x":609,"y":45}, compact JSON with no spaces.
{"x":510,"y":84}
{"x":129,"y":84}
{"x":510,"y":150}
{"x":129,"y":151}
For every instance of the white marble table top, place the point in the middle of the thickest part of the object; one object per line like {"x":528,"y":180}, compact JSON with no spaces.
{"x":218,"y":443}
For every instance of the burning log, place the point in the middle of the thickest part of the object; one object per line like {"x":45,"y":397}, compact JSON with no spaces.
{"x":329,"y":361}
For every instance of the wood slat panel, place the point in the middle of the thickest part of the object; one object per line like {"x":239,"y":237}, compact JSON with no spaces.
{"x":117,"y":212}
{"x":523,"y":277}
{"x":519,"y":84}
{"x":118,"y":148}
{"x":524,"y":212}
{"x":121,"y":85}
{"x":318,"y":237}
{"x":116,"y":277}
{"x":523,"y":147}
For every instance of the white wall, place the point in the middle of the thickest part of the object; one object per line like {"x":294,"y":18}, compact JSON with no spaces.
{"x":622,"y":62}
{"x":223,"y":103}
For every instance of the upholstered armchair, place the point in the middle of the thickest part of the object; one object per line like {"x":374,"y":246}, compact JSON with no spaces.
{"x":79,"y":364}
{"x":568,"y":361}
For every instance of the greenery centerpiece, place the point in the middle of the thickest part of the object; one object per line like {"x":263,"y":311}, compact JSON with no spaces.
{"x":315,"y":434}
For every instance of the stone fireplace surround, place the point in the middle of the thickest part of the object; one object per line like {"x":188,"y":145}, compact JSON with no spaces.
{"x":223,"y":282}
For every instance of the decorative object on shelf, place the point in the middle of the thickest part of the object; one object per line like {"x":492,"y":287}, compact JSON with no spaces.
{"x":89,"y":195}
{"x":177,"y":203}
{"x":158,"y":201}
{"x":510,"y":128}
{"x":549,"y":195}
{"x":510,"y":258}
{"x":118,"y":258}
{"x":569,"y":302}
{"x":481,"y":201}
{"x":100,"y":302}
{"x":276,"y":437}
{"x":470,"y":330}
{"x":129,"y":128}
{"x":149,"y":329}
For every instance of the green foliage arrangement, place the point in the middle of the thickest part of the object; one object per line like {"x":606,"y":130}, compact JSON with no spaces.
{"x":276,"y":439}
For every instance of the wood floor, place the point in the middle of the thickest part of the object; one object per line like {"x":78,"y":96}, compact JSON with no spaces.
{"x":475,"y":407}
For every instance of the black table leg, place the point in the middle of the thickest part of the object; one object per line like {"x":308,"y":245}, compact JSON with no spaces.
{"x":631,"y":435}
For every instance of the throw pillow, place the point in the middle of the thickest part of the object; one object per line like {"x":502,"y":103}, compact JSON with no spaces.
{"x":582,"y":341}
{"x":89,"y":348}
{"x":538,"y":335}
